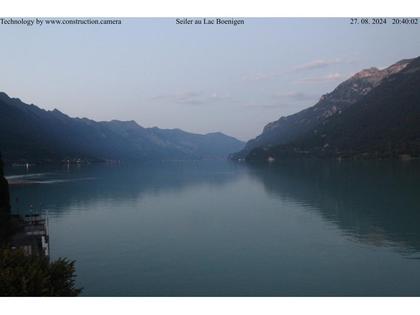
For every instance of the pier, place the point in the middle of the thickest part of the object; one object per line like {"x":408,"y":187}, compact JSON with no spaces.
{"x":32,"y":235}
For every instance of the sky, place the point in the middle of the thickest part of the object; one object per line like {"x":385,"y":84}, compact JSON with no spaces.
{"x":199,"y":78}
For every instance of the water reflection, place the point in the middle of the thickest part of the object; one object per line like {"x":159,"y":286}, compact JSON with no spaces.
{"x":57,"y":189}
{"x":225,"y":229}
{"x":375,"y":202}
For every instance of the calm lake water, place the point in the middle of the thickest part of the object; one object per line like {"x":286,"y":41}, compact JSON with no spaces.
{"x":217,"y":228}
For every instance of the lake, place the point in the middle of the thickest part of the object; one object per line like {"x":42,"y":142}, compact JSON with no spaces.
{"x":219,"y":228}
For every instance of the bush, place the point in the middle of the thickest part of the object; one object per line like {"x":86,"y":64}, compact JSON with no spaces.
{"x":22,"y":275}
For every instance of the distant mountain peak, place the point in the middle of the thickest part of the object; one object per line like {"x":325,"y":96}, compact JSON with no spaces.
{"x":366,"y":73}
{"x":377,"y":75}
{"x":55,"y":110}
{"x":30,"y":133}
{"x":288,"y":129}
{"x":131,"y":123}
{"x":217,"y":133}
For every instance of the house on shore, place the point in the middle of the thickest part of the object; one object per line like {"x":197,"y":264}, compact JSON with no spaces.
{"x":28,"y":233}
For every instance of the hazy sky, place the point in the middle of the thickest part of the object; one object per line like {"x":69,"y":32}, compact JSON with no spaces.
{"x":200,"y":78}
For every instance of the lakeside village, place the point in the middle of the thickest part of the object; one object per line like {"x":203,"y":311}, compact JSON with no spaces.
{"x":73,"y":161}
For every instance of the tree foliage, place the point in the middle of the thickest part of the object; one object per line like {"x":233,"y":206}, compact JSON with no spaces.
{"x":23,"y":275}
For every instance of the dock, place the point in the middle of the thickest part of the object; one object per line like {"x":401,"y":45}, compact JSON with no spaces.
{"x":32,"y":236}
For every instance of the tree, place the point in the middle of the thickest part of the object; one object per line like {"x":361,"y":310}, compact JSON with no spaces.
{"x":23,"y":275}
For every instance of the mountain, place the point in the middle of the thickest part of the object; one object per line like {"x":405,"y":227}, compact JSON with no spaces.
{"x":29,"y":133}
{"x":375,"y":113}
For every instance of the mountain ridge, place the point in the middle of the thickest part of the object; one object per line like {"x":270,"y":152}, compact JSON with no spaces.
{"x":30,"y":133}
{"x":288,"y":132}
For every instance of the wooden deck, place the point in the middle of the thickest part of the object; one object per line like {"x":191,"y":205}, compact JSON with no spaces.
{"x":32,"y":236}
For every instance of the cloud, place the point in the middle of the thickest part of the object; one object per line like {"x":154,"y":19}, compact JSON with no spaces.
{"x":318,"y":64}
{"x":191,"y":98}
{"x":323,"y":78}
{"x":313,"y":65}
{"x":219,"y":97}
{"x":260,"y":76}
{"x":296,"y":96}
{"x":268,"y":106}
